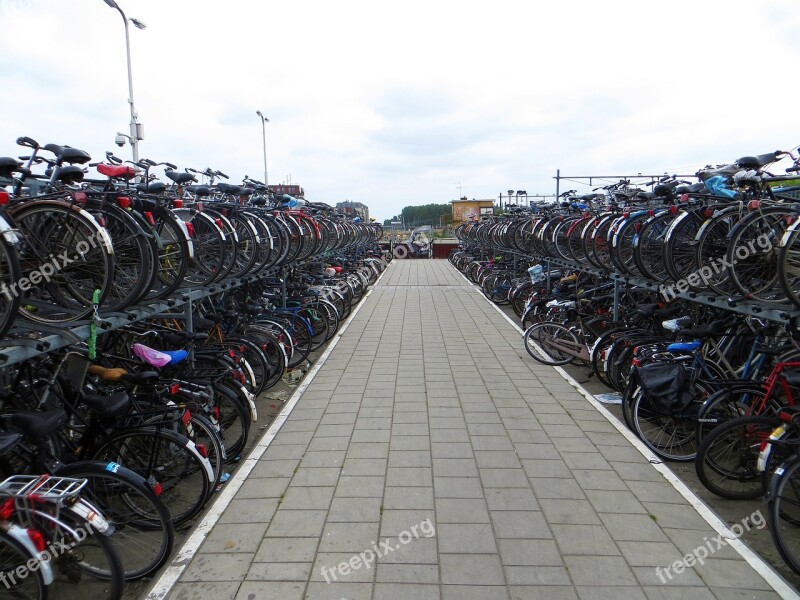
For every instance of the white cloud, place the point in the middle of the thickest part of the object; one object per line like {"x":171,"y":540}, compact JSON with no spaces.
{"x":393,"y":104}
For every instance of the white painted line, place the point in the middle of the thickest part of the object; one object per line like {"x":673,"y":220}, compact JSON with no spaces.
{"x":772,"y":577}
{"x":164,"y":584}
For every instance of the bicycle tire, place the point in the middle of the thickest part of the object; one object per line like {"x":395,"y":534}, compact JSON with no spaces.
{"x":144,"y":533}
{"x":729,"y":455}
{"x":783,"y":512}
{"x":14,"y":555}
{"x":540,"y":350}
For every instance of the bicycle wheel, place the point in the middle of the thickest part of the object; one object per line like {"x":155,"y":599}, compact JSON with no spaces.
{"x":540,"y":340}
{"x":86,"y":564}
{"x":670,"y":436}
{"x":143,"y":530}
{"x":727,"y":459}
{"x":783,"y":513}
{"x":167,"y":460}
{"x":9,"y":274}
{"x":73,"y":249}
{"x":14,"y":556}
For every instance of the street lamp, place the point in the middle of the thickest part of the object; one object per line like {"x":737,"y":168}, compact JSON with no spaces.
{"x":264,"y":121}
{"x":137,"y":131}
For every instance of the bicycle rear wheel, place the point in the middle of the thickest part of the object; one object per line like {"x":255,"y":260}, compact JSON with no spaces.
{"x":783,"y":503}
{"x":13,"y":556}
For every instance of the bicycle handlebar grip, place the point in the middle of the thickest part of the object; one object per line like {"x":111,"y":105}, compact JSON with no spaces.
{"x":221,"y":174}
{"x":26,"y":141}
{"x":792,"y":169}
{"x":170,"y":165}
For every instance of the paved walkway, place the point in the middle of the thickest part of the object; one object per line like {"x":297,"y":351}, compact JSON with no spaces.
{"x":429,"y":416}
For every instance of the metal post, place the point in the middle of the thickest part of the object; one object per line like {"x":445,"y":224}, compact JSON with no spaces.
{"x":135,"y":126}
{"x":558,"y":183}
{"x":615,"y":309}
{"x":264,"y":121}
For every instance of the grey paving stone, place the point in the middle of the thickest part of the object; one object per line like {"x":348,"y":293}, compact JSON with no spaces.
{"x":370,"y":435}
{"x":263,"y":488}
{"x":452,"y":450}
{"x":489,"y":442}
{"x":409,"y":458}
{"x":537,"y":451}
{"x":529,"y":553}
{"x":408,"y":498}
{"x":274,"y":468}
{"x":461,"y":510}
{"x":633,"y":528}
{"x":584,"y":539}
{"x":297,"y":523}
{"x":688,"y":540}
{"x":600,"y":480}
{"x":329,"y":444}
{"x":270,"y":590}
{"x":486,"y":429}
{"x":569,"y":512}
{"x":407,"y":521}
{"x":511,"y":499}
{"x":649,"y":554}
{"x":217,"y":567}
{"x":599,"y":570}
{"x":410,"y":417}
{"x":448,"y":435}
{"x":330,"y":458}
{"x":220,"y":590}
{"x":279,"y":571}
{"x":320,"y":477}
{"x":729,"y":574}
{"x":455,"y":467}
{"x":407,"y":573}
{"x":504,"y":478}
{"x":615,"y":501}
{"x":287,"y":549}
{"x":348,"y":537}
{"x":336,"y":591}
{"x":471,"y":569}
{"x":545,"y":468}
{"x":550,"y":592}
{"x":500,"y":459}
{"x":474,"y":592}
{"x":409,"y":477}
{"x":368,"y":450}
{"x":287,"y":451}
{"x":244,"y":510}
{"x":664,"y":592}
{"x":395,"y":591}
{"x":416,"y":551}
{"x":608,"y":592}
{"x":654,"y":491}
{"x":674,"y":516}
{"x":234,"y":537}
{"x":304,"y":498}
{"x":457,"y":487}
{"x":364,"y":466}
{"x":463,"y":538}
{"x":520,"y":524}
{"x":356,"y":510}
{"x":538,"y":576}
{"x":585,"y":460}
{"x":648,"y":576}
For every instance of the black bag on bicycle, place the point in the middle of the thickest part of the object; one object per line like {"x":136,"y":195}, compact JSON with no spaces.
{"x":666,"y":385}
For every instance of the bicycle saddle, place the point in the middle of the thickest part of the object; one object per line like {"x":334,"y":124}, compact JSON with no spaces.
{"x":756,"y":162}
{"x":180,"y":178}
{"x":8,"y":166}
{"x":69,"y":154}
{"x":152,"y":187}
{"x":108,"y":406}
{"x":116,"y":171}
{"x":159,"y":358}
{"x":38,"y":424}
{"x":684,"y":346}
{"x":199,"y":190}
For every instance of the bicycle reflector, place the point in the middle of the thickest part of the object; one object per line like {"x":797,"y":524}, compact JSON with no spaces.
{"x":177,"y":203}
{"x":7,"y":509}
{"x":201,"y":448}
{"x":190,"y":230}
{"x":174,"y":388}
{"x":651,"y":212}
{"x":124,"y":202}
{"x":754,"y":204}
{"x":673,"y":210}
{"x":219,"y":223}
{"x":79,"y":197}
{"x":38,"y":539}
{"x":3,"y":198}
{"x":186,"y":417}
{"x":149,"y":216}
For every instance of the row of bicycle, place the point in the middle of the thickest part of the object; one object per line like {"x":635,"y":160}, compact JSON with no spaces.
{"x":63,"y":238}
{"x":140,"y":433}
{"x":696,"y":383}
{"x":735,"y":233}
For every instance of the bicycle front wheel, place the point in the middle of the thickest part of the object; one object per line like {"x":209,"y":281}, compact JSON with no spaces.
{"x":541,"y":342}
{"x":784,"y":513}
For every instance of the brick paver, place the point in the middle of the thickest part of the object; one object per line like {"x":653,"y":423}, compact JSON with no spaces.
{"x":429,"y":416}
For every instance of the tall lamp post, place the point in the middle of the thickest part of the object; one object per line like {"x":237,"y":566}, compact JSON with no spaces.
{"x":264,"y":121}
{"x":137,"y":131}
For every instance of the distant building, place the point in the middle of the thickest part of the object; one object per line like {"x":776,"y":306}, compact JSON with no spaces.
{"x":354,"y":209}
{"x":464,"y":210}
{"x":292,"y":190}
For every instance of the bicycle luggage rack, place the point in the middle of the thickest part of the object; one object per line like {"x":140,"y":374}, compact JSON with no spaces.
{"x":29,"y":490}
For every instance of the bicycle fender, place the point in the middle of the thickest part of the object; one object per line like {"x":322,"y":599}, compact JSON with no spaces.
{"x":21,"y":535}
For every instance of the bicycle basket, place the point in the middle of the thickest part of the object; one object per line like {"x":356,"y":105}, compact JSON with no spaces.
{"x":666,"y":385}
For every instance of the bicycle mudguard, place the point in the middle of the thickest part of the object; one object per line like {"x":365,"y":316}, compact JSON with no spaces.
{"x":21,"y":535}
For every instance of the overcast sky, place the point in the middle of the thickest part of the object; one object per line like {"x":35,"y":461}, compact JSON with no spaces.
{"x":393,"y":104}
